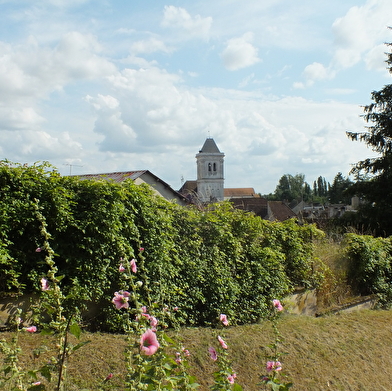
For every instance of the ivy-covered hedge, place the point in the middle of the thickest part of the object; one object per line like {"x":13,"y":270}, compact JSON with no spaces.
{"x":370,"y":268}
{"x":219,"y":260}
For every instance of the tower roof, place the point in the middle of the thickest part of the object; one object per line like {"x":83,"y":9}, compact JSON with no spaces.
{"x":209,"y":147}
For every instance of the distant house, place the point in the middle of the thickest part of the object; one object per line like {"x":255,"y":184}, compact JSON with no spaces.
{"x":256,"y":205}
{"x":158,"y":186}
{"x":279,"y":211}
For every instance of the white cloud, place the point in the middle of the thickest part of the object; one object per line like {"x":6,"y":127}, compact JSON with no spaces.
{"x":30,"y":70}
{"x":247,"y":80}
{"x":150,"y":45}
{"x":375,"y":58}
{"x":360,"y":31}
{"x":312,"y":73}
{"x":118,"y":136}
{"x":240,"y":53}
{"x":358,"y":36}
{"x":20,"y":118}
{"x":33,"y":145}
{"x":178,"y":18}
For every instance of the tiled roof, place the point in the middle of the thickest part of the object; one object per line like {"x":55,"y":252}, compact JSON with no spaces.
{"x":240,"y":192}
{"x":278,"y":210}
{"x":133,"y":175}
{"x":188,"y":186}
{"x":209,"y":147}
{"x":114,"y":176}
{"x":257,"y":205}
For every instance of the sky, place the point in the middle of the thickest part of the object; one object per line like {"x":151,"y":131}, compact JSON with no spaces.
{"x":97,"y":86}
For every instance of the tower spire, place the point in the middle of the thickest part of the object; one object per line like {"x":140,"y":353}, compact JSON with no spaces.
{"x":210,"y":165}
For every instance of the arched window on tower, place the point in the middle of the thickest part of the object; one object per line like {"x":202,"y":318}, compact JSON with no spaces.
{"x":209,"y":167}
{"x":214,"y":167}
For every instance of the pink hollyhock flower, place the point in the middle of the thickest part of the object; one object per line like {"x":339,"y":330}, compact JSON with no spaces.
{"x":223,"y":319}
{"x":277,"y":305}
{"x":121,"y":268}
{"x":273,"y":366}
{"x":222,"y":342}
{"x":108,"y":377}
{"x":231,"y":378}
{"x":31,"y":329}
{"x":144,"y":309}
{"x":149,"y":343}
{"x":186,"y":352}
{"x":213,"y":354}
{"x":37,"y":383}
{"x":175,"y":309}
{"x":141,"y":249}
{"x":133,"y":265}
{"x":38,"y":249}
{"x":178,"y":357}
{"x":120,"y":300}
{"x":153,"y":321}
{"x":44,"y":284}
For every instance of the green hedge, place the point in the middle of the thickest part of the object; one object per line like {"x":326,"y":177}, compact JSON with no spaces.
{"x":370,"y":267}
{"x":219,"y":260}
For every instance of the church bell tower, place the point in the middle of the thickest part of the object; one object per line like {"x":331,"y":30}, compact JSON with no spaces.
{"x":210,"y":178}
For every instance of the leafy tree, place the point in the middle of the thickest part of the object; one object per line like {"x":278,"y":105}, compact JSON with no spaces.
{"x":320,"y":187}
{"x":292,"y":188}
{"x":338,"y":190}
{"x":376,"y":214}
{"x":283,"y":189}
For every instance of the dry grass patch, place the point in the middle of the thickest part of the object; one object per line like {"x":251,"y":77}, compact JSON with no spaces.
{"x":350,"y":352}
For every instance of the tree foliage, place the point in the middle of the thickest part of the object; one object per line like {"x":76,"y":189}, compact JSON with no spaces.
{"x":338,"y":191}
{"x":376,"y":214}
{"x":292,"y":187}
{"x":295,"y":188}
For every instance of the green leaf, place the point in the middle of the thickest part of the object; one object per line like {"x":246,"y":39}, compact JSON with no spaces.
{"x":79,"y":345}
{"x":168,"y":339}
{"x":33,"y":374}
{"x":75,"y":330}
{"x":45,"y":372}
{"x":46,"y":331}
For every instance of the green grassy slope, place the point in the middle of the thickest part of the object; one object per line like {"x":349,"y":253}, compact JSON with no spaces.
{"x":347,"y":351}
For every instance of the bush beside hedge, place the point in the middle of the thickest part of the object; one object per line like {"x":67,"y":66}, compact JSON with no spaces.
{"x":370,"y":268}
{"x":218,"y":260}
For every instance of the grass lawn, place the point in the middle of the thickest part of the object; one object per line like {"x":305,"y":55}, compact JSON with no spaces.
{"x":346,"y":351}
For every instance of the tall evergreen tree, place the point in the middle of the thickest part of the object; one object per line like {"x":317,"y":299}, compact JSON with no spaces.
{"x":377,"y":212}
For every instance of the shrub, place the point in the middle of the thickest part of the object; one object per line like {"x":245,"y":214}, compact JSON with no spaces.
{"x":370,"y":268}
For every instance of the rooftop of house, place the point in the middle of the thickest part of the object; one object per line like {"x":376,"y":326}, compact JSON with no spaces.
{"x":116,"y":176}
{"x":240,"y":192}
{"x":278,"y":210}
{"x":188,"y":187}
{"x":257,"y":205}
{"x":133,"y":175}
